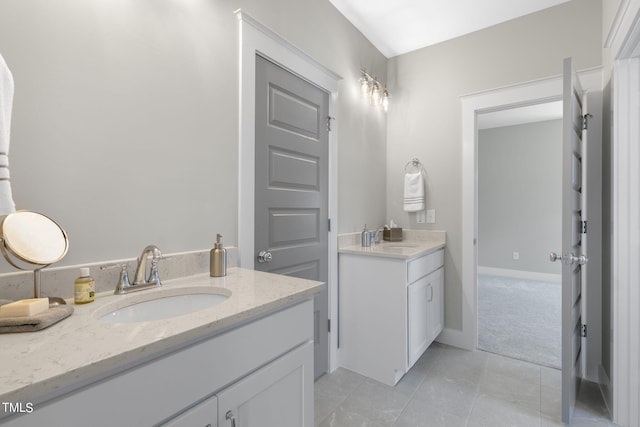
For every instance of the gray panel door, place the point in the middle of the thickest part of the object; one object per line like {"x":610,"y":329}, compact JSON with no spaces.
{"x":291,"y":188}
{"x":572,"y":256}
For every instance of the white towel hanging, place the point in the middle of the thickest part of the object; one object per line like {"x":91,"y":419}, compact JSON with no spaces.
{"x":7,"y":205}
{"x":413,"y":192}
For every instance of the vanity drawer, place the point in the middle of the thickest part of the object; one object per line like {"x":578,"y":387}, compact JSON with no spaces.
{"x":419,"y":267}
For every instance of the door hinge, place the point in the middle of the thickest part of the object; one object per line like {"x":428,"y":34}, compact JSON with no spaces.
{"x":584,"y":331}
{"x":329,"y":118}
{"x":328,"y":325}
{"x":584,"y":227}
{"x":585,"y":121}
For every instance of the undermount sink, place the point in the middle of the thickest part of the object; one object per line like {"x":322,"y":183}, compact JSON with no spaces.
{"x":162,"y":305}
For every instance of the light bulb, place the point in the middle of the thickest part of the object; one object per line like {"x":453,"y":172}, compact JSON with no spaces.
{"x":375,"y":94}
{"x":385,"y":100}
{"x":364,"y":85}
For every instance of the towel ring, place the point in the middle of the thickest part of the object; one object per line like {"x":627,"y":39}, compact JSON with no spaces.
{"x":414,"y":163}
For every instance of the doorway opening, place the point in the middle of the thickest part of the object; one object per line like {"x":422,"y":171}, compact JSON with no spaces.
{"x":519,"y":222}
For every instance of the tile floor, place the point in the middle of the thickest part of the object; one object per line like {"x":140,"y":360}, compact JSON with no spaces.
{"x":452,"y":387}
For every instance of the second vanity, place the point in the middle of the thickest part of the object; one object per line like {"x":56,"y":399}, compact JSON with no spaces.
{"x":391,"y":304}
{"x":247,"y":361}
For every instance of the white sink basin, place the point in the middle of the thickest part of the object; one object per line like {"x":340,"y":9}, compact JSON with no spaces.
{"x":162,"y":306}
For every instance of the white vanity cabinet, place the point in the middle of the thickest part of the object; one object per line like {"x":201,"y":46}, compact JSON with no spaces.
{"x":391,"y":310}
{"x":260,"y":372}
{"x":272,"y":396}
{"x":425,"y":301}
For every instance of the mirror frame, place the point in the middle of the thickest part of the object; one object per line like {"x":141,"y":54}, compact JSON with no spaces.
{"x":14,"y":258}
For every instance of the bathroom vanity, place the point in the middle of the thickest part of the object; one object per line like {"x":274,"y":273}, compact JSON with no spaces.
{"x":247,"y":361}
{"x":391,"y":305}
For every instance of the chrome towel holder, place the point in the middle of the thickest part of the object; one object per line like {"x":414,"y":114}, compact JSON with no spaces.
{"x":413,"y":163}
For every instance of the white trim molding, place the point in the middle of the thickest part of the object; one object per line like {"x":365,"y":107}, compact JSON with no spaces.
{"x":626,"y":238}
{"x":623,"y":390}
{"x":617,"y":21}
{"x":255,"y":38}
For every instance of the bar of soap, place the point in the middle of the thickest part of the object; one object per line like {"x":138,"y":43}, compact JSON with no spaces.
{"x":25,"y":307}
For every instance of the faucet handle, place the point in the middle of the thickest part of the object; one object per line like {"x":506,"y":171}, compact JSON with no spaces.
{"x":154,"y":274}
{"x":123,"y":280}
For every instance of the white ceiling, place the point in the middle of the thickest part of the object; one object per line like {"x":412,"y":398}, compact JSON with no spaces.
{"x":400,"y":26}
{"x":520,"y":115}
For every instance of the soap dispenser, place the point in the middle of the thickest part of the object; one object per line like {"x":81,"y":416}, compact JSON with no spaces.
{"x":218,"y":262}
{"x":84,"y":287}
{"x":365,"y":237}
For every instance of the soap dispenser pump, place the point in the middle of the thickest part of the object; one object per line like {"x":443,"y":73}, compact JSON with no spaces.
{"x":218,"y":262}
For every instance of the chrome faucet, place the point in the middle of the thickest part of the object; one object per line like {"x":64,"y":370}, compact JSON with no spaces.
{"x":141,"y":280}
{"x":154,"y":277}
{"x":376,"y":234}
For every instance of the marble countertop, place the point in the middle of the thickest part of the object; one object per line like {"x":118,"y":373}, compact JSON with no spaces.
{"x":406,"y":249}
{"x":37,"y":366}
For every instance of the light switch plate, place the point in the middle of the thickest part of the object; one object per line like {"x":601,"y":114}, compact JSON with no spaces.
{"x":431,"y":216}
{"x":420,"y":217}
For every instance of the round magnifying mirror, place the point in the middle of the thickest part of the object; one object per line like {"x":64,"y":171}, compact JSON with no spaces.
{"x":32,"y":238}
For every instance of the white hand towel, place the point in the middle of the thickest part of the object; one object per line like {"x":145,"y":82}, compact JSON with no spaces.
{"x":7,"y":205}
{"x":413,"y":192}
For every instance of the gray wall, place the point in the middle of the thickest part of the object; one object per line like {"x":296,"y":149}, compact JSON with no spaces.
{"x":424,"y":119}
{"x":125,"y":120}
{"x":519,"y":199}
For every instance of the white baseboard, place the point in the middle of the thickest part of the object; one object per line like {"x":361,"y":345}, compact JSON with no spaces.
{"x":455,"y":338}
{"x":605,"y":388}
{"x":520,"y":274}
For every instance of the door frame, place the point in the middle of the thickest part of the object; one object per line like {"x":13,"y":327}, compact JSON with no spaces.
{"x":519,"y":95}
{"x":622,"y":392}
{"x":257,"y":39}
{"x":535,"y":92}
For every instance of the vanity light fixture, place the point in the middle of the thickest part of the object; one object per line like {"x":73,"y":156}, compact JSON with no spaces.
{"x":376,"y":92}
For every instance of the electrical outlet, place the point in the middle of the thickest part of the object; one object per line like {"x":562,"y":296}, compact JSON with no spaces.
{"x":420,"y":217}
{"x":431,"y":216}
{"x":516,"y":255}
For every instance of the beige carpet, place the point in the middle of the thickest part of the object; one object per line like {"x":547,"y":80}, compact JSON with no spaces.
{"x":520,"y":319}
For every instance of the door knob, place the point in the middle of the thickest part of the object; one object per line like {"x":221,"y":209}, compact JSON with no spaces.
{"x":582,"y":260}
{"x":568,"y":259}
{"x":264,"y":256}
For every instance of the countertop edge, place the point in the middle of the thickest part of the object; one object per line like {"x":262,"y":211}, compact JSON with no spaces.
{"x":420,"y":249}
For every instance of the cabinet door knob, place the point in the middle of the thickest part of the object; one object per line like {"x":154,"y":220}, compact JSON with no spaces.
{"x":229,"y":416}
